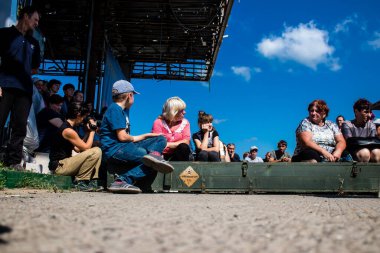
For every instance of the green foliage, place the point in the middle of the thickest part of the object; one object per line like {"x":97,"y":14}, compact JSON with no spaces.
{"x":22,"y":179}
{"x":2,"y":180}
{"x":36,"y":183}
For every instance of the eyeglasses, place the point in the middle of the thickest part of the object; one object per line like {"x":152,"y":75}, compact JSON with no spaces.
{"x":281,"y":145}
{"x":313,"y":110}
{"x":255,"y":150}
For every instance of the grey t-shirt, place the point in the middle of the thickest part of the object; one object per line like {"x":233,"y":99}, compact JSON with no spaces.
{"x":278,"y":155}
{"x":350,"y":130}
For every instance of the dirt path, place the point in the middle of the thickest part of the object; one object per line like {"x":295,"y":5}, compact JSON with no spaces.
{"x":101,"y":222}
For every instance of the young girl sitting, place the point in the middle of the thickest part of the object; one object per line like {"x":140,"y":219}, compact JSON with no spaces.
{"x":206,"y":140}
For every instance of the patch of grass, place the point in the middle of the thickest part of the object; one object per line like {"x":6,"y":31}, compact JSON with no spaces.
{"x":2,"y":181}
{"x":36,"y":183}
{"x":24,"y":179}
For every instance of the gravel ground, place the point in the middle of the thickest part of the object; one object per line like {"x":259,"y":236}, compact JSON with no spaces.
{"x":40,"y":221}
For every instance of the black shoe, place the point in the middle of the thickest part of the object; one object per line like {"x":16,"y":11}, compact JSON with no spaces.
{"x":95,"y":186}
{"x":83,"y":186}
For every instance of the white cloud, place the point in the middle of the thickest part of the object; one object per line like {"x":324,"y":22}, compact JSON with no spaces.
{"x":243,"y":71}
{"x":305,"y":44}
{"x":217,"y":73}
{"x":252,"y":139}
{"x":219,"y":121}
{"x":375,"y":43}
{"x":205,"y":84}
{"x":334,"y":64}
{"x":344,"y":26}
{"x":257,"y":70}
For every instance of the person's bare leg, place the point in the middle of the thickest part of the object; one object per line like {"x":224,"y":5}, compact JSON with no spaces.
{"x":310,"y":161}
{"x":363,"y":155}
{"x":375,"y":156}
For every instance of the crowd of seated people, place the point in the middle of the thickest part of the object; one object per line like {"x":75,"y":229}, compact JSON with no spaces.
{"x":321,"y":140}
{"x":317,"y":138}
{"x":48,"y":112}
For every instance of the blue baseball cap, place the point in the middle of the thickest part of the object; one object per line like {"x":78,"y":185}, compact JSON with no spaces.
{"x":122,"y":86}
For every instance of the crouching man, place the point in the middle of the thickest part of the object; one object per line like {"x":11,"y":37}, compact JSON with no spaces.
{"x":138,"y":156}
{"x":85,"y":165}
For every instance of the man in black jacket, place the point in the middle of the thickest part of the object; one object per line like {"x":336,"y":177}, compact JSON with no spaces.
{"x":19,"y":59}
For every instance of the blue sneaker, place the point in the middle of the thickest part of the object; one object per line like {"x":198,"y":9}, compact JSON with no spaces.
{"x":120,"y":186}
{"x":157,"y":163}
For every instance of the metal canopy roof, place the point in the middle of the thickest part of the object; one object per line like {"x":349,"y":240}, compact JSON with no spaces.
{"x":161,"y":39}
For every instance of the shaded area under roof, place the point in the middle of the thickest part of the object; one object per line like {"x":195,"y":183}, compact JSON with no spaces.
{"x":376,"y":106}
{"x":164,"y":39}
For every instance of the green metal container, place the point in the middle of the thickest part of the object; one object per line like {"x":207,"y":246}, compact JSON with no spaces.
{"x":271,"y":177}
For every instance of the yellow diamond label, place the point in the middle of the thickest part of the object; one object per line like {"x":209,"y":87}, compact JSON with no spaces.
{"x":189,"y":176}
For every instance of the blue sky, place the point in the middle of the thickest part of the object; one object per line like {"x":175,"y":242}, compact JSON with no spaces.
{"x":277,"y":58}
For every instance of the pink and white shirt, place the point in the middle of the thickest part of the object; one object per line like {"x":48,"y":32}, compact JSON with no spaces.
{"x":178,"y":132}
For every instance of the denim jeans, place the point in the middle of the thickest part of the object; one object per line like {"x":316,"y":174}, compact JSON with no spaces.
{"x":132,"y":153}
{"x":208,"y":156}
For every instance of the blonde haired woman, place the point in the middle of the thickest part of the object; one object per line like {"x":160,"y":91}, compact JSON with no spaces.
{"x":176,"y":129}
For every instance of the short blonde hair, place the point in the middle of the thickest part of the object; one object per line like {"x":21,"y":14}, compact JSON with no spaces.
{"x":171,"y":107}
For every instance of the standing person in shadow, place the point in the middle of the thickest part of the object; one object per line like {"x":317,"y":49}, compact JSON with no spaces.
{"x":19,"y":58}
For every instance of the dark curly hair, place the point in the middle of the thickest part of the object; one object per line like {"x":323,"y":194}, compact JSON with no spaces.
{"x":76,"y":108}
{"x":362,"y":104}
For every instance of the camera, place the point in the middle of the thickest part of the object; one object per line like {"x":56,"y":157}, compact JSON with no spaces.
{"x":93,"y":127}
